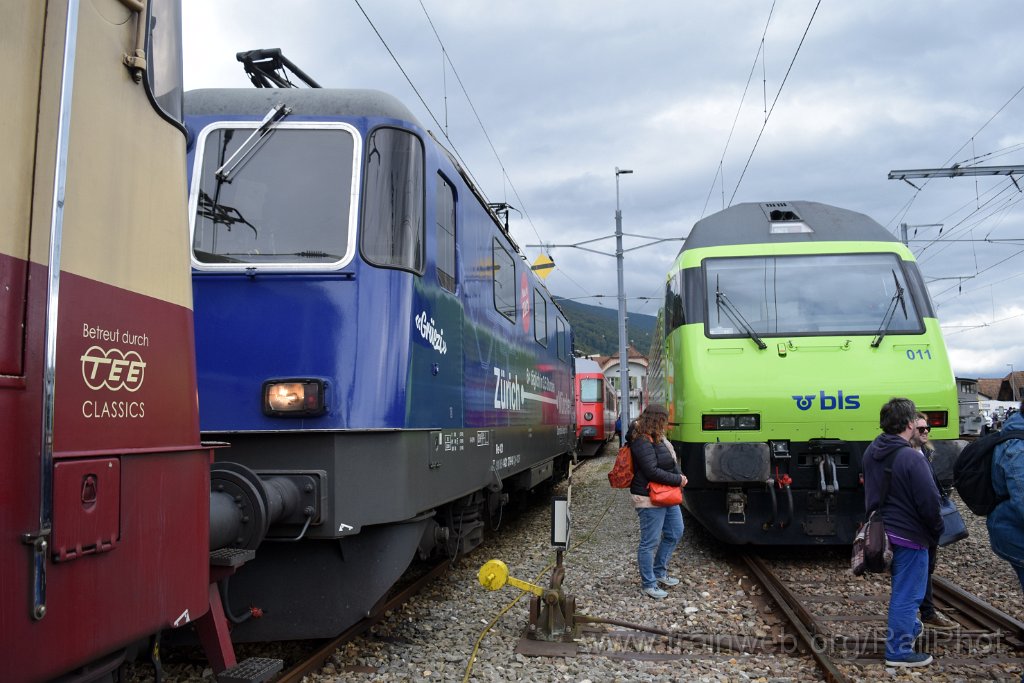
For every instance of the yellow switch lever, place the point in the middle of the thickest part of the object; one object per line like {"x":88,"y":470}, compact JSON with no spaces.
{"x":494,"y":574}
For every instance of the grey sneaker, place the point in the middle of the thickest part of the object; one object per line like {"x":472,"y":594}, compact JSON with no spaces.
{"x":913,"y":659}
{"x":655,"y":593}
{"x":668,"y":581}
{"x":939,"y":622}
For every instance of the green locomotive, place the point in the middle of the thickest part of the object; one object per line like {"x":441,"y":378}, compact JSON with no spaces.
{"x":787,"y":325}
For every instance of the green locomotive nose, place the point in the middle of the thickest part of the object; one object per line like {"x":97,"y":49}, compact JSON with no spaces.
{"x":786,"y":327}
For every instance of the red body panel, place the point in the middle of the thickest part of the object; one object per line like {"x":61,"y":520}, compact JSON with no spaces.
{"x":156,"y":574}
{"x":12,"y":310}
{"x":602,"y":420}
{"x":122,"y":379}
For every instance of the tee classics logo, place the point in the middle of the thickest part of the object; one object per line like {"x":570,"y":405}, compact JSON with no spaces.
{"x":113,"y":369}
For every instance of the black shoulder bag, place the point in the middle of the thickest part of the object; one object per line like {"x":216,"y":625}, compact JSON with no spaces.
{"x":872,"y":551}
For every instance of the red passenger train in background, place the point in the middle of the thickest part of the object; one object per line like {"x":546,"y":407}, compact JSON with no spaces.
{"x":595,"y":408}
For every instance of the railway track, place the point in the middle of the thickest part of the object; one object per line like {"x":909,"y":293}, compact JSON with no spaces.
{"x":848,"y":627}
{"x":315,"y":661}
{"x":708,"y":626}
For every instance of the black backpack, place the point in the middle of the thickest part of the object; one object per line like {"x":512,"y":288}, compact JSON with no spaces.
{"x":972,"y":472}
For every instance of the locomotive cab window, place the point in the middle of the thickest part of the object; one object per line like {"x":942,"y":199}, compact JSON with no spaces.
{"x":393,"y":200}
{"x":445,"y":212}
{"x":504,"y":284}
{"x":540,"y":318}
{"x":286,"y":204}
{"x":163,"y":55}
{"x":561,"y":339}
{"x":808,"y":295}
{"x":591,"y":390}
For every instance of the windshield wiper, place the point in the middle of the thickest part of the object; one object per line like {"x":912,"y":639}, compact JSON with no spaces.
{"x":722,"y":301}
{"x":897,"y":297}
{"x":258,"y":137}
{"x":208,"y":207}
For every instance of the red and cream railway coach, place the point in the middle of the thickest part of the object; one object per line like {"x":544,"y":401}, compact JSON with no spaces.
{"x":104,"y":486}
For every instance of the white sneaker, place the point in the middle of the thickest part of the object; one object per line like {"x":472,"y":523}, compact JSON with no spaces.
{"x":668,"y":581}
{"x":655,"y":593}
{"x":913,"y":659}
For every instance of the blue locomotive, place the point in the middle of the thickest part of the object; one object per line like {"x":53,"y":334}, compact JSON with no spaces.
{"x":370,"y":344}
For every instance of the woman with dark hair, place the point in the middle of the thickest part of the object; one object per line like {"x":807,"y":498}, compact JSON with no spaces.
{"x":660,"y":527}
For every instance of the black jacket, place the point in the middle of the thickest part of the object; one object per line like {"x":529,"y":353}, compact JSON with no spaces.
{"x":911,"y":509}
{"x":652,"y":462}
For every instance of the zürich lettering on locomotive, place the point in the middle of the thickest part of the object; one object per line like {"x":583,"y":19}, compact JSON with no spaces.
{"x":508,"y":392}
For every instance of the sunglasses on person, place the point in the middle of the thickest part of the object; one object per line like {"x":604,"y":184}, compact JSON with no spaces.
{"x":923,"y":430}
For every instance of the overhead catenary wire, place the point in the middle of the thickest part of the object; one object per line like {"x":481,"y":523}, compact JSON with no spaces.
{"x":443,"y":128}
{"x":902,"y":213}
{"x":775,"y":101}
{"x":1006,"y":194}
{"x":983,"y":270}
{"x":479,"y":121}
{"x":991,"y":207}
{"x":720,"y":172}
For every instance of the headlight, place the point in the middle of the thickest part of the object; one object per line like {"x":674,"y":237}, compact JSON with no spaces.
{"x":588,"y":416}
{"x":293,"y":397}
{"x":715,"y":422}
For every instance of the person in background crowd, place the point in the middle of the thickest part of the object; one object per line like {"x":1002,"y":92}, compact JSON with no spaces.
{"x":912,"y":523}
{"x":929,"y":615}
{"x":660,"y":527}
{"x":1006,"y":522}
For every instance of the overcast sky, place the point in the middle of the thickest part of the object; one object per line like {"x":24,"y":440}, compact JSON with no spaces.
{"x":568,"y":90}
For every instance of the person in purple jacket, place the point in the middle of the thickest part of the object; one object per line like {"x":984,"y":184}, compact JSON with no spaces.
{"x":912,"y":523}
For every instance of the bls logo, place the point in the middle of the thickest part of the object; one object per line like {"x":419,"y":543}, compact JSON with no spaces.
{"x":827,"y":402}
{"x":113,"y":369}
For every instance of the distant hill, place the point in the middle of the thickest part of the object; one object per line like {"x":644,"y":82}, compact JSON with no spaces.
{"x":596,"y":328}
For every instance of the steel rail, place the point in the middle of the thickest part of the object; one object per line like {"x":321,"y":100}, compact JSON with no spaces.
{"x":314,"y":662}
{"x":803,"y":622}
{"x":981,"y":612}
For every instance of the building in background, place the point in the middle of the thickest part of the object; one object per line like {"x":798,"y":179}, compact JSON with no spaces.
{"x":997,"y":396}
{"x":637,"y":369}
{"x":972,"y":422}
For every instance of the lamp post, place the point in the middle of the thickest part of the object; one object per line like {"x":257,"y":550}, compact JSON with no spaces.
{"x":623,"y":357}
{"x":619,"y":251}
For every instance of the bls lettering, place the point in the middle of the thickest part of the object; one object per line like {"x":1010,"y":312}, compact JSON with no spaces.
{"x":827,"y":401}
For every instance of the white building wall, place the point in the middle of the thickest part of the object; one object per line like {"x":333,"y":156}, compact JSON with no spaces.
{"x":637,"y":370}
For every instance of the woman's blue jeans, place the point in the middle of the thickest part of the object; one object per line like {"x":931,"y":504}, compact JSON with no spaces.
{"x":909,"y":579}
{"x":660,"y":531}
